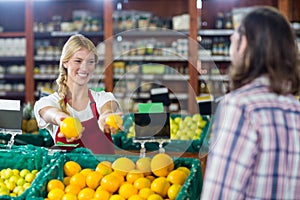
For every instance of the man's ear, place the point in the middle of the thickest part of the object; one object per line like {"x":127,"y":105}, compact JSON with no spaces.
{"x":243,"y":44}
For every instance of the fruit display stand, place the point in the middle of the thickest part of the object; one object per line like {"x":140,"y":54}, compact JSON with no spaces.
{"x":18,"y":158}
{"x":191,"y":189}
{"x":176,"y":145}
{"x":42,"y":138}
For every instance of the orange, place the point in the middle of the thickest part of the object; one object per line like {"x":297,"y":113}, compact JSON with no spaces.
{"x":151,"y":178}
{"x":73,"y":189}
{"x":71,"y":168}
{"x":144,"y":165}
{"x":141,"y":183}
{"x":110,"y":183}
{"x":145,"y":192}
{"x":93,"y":179}
{"x":133,"y":175}
{"x":86,"y":194}
{"x":123,"y":165}
{"x":71,"y":127}
{"x":155,"y":197}
{"x":160,"y":186}
{"x":119,"y":176}
{"x":114,"y":121}
{"x":55,"y":194}
{"x":173,"y":191}
{"x":102,"y":194}
{"x":136,"y":197}
{"x":66,"y":180}
{"x":177,"y":177}
{"x":85,"y":171}
{"x":69,"y":196}
{"x":127,"y":190}
{"x":162,"y":164}
{"x":185,"y":169}
{"x":104,"y":168}
{"x":116,"y":197}
{"x":79,"y":180}
{"x":55,"y":183}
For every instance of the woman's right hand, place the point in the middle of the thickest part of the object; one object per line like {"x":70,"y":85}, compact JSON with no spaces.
{"x":78,"y":133}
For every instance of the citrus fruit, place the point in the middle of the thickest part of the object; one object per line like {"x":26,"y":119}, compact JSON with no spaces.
{"x":123,"y":165}
{"x":55,"y":183}
{"x":185,"y":169}
{"x":102,"y":194}
{"x":173,"y":191}
{"x":69,"y":196}
{"x":79,"y":180}
{"x":155,"y":197}
{"x":141,"y":183}
{"x":93,"y":179}
{"x":55,"y":194}
{"x":162,"y":164}
{"x":86,"y":194}
{"x":177,"y":177}
{"x":66,"y":180}
{"x":73,"y":189}
{"x":145,"y":192}
{"x":71,"y":127}
{"x":71,"y":168}
{"x":114,"y":121}
{"x":110,"y":183}
{"x":160,"y":186}
{"x":127,"y":190}
{"x":116,"y":197}
{"x":136,"y":197}
{"x":144,"y":165}
{"x":133,"y":175}
{"x":120,"y":177}
{"x":104,"y":168}
{"x":85,"y":171}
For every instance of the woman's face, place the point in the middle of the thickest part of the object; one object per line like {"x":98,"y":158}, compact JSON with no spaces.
{"x":80,"y":67}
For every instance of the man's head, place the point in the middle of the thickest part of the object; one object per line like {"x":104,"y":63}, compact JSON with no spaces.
{"x":265,"y":44}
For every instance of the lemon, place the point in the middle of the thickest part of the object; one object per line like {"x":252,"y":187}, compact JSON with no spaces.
{"x":162,"y":164}
{"x":71,"y":127}
{"x":114,"y":121}
{"x":123,"y":165}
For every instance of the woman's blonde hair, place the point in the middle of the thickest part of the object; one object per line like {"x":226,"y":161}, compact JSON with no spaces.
{"x":73,"y":44}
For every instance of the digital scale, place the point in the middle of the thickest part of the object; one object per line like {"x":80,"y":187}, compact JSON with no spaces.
{"x":151,"y":125}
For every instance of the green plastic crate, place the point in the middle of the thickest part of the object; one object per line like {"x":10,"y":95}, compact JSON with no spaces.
{"x":175,"y":145}
{"x":190,"y":190}
{"x":25,"y":157}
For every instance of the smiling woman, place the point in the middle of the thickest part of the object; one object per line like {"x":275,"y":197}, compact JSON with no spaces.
{"x":75,"y":99}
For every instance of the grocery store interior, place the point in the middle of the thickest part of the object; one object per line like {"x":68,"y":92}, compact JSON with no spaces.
{"x":164,"y":56}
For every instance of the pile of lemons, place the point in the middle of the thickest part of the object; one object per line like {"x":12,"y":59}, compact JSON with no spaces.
{"x":146,"y":179}
{"x":14,"y":182}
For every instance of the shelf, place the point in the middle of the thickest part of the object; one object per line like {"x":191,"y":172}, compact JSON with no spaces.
{"x":12,"y":59}
{"x":216,"y":32}
{"x":12,"y":76}
{"x":166,"y":77}
{"x":46,"y":58}
{"x":214,"y":58}
{"x":66,"y":34}
{"x":151,"y":58}
{"x":142,"y":32}
{"x":213,"y":77}
{"x":12,"y":34}
{"x":146,"y":95}
{"x":12,"y":94}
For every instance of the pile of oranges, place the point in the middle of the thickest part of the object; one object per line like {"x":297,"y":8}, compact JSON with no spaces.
{"x":146,"y":179}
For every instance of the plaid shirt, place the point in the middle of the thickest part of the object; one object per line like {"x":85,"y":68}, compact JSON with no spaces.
{"x":255,"y":147}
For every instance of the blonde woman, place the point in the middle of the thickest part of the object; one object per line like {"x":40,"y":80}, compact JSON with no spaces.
{"x":74,"y":98}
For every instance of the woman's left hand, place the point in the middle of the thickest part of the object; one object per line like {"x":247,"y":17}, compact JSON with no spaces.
{"x":105,"y":127}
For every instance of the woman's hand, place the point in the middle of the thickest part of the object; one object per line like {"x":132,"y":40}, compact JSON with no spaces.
{"x":60,"y":134}
{"x":107,"y":128}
